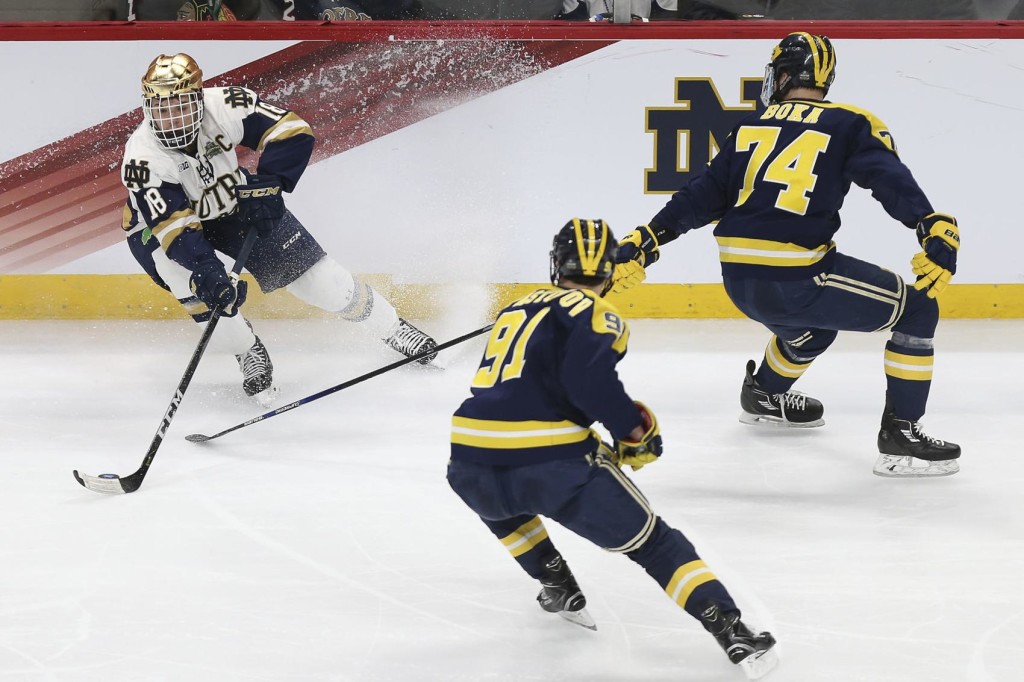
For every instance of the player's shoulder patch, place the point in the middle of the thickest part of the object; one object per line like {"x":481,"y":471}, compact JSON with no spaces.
{"x":146,"y":163}
{"x":606,"y":319}
{"x":232,"y":99}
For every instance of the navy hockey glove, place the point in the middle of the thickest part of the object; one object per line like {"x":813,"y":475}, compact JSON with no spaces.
{"x":211,"y":285}
{"x":261,"y":203}
{"x":637,"y":250}
{"x":647,"y":449}
{"x":936,"y":265}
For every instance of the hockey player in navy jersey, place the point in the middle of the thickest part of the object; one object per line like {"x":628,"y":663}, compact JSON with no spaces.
{"x":775,"y":189}
{"x":522,"y":447}
{"x":182,"y":174}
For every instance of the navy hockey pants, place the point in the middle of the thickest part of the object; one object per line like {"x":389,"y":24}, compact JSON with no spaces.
{"x":594,"y":499}
{"x":806,"y":315}
{"x":274,"y":262}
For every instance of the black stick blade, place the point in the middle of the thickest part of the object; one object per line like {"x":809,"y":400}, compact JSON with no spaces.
{"x":197,"y":438}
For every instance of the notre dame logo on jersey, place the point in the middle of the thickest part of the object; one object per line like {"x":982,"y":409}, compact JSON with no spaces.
{"x":136,"y":174}
{"x":688,"y":136}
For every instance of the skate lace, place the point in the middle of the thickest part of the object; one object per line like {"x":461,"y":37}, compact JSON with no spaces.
{"x":407,"y":339}
{"x":919,"y":432}
{"x":793,"y":400}
{"x":253,"y":362}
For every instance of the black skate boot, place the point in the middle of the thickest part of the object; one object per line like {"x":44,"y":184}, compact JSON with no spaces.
{"x":754,"y":653}
{"x":792,"y":408}
{"x":906,"y":450}
{"x":561,"y":594}
{"x":257,"y":373}
{"x":410,"y":341}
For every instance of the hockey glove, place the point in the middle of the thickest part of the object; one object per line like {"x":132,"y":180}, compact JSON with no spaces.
{"x":936,"y":265}
{"x":261,"y":203}
{"x":637,"y":250}
{"x":211,"y":285}
{"x":644,"y":451}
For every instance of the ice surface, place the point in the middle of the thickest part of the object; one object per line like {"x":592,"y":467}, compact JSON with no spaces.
{"x":324,"y":543}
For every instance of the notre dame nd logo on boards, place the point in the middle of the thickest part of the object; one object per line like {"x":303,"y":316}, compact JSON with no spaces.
{"x":687,"y":136}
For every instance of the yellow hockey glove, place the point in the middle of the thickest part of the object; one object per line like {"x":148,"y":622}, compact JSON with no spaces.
{"x":936,"y":265}
{"x":644,"y":451}
{"x":637,"y":250}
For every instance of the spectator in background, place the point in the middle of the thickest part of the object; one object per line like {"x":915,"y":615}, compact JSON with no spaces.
{"x":602,"y":10}
{"x":63,"y":10}
{"x":199,"y":10}
{"x":695,"y":10}
{"x":491,"y":9}
{"x":289,"y":10}
{"x":349,"y":10}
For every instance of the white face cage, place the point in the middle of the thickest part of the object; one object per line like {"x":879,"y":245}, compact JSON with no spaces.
{"x":174,"y":120}
{"x":768,"y":88}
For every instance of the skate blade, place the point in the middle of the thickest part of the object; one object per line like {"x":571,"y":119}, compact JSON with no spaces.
{"x":895,"y":466}
{"x":581,"y":618}
{"x":779,"y":422}
{"x":756,"y":667}
{"x":268,"y":397}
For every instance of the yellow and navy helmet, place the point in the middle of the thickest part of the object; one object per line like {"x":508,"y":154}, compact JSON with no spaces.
{"x":583,"y":251}
{"x":809,"y":60}
{"x":172,"y":99}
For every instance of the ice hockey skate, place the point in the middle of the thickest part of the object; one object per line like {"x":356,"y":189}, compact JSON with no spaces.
{"x":410,"y":341}
{"x":754,"y":653}
{"x":791,"y":409}
{"x":907,"y":451}
{"x":258,"y":374}
{"x":562,"y":595}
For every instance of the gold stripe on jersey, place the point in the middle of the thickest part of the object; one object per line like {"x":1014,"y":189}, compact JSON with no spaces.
{"x":766,"y":252}
{"x":686,"y":579}
{"x":167,"y":230}
{"x":780,"y":364}
{"x":127,"y":218}
{"x":512,"y":435}
{"x":526,"y":537}
{"x":289,"y":126}
{"x":910,"y":367}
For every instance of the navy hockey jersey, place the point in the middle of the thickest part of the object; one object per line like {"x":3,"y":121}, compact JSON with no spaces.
{"x":547,"y":373}
{"x":778,"y":183}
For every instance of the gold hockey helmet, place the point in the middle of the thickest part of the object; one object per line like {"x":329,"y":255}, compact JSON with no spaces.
{"x":170,"y":75}
{"x":172,"y":99}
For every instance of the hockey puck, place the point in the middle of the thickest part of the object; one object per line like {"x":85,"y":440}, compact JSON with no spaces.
{"x":108,"y":476}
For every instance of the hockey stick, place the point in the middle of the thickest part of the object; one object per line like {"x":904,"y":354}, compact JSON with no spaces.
{"x":200,"y":438}
{"x":112,"y":484}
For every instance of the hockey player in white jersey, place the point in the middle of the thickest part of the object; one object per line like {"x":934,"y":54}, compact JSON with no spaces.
{"x":181,"y":171}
